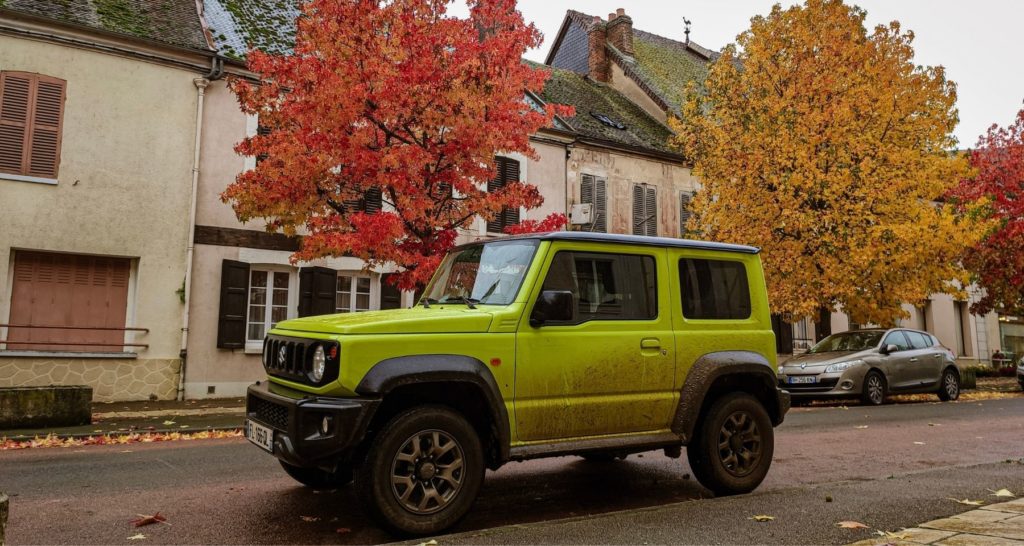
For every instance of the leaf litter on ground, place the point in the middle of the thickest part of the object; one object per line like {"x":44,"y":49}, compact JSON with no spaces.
{"x":852,"y":525}
{"x":762,"y":518}
{"x":144,"y":519}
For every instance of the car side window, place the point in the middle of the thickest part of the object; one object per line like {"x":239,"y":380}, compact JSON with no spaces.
{"x":714,"y":289}
{"x":898,"y":339}
{"x":606,"y":286}
{"x":918,"y":340}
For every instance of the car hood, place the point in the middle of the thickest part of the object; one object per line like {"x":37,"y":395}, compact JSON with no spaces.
{"x":447,"y":319}
{"x":813,"y":361}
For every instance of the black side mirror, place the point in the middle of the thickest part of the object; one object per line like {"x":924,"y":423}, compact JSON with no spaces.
{"x":890,"y":348}
{"x":553,"y":306}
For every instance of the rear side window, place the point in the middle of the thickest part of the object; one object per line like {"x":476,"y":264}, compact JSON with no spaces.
{"x":714,"y":289}
{"x":606,"y":286}
{"x":898,"y":339}
{"x":918,"y":340}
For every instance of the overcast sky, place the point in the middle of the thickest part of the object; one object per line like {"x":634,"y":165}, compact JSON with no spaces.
{"x":979,"y":41}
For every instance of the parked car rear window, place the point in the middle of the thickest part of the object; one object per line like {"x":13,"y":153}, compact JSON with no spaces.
{"x":919,"y":340}
{"x":714,"y":289}
{"x":606,"y":286}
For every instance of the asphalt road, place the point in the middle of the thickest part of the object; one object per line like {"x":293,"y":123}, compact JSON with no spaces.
{"x":228,"y":492}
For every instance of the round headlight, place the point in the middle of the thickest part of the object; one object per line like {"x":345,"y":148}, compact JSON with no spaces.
{"x":319,"y":363}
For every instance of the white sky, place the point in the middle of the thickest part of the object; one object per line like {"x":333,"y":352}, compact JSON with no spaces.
{"x":979,"y":42}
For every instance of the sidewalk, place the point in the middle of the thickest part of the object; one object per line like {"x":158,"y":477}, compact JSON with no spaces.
{"x":993,"y":524}
{"x":114,"y":418}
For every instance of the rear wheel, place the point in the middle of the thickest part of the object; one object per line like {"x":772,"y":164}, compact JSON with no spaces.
{"x":733,"y":445}
{"x":873,"y":390}
{"x":422,"y":472}
{"x":319,"y":479}
{"x":949,"y":387}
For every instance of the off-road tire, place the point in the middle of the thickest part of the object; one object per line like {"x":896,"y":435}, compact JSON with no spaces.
{"x":949,"y":385}
{"x":386,"y":454}
{"x":710,"y":463}
{"x":319,"y":479}
{"x":869,"y":397}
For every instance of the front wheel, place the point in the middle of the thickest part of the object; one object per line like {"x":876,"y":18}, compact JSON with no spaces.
{"x":873,"y":390}
{"x":422,"y":472}
{"x":949,"y":389}
{"x":319,"y":479}
{"x":733,"y":445}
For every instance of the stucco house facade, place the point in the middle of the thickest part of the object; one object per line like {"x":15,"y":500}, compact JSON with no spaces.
{"x":98,"y":119}
{"x":652,"y":71}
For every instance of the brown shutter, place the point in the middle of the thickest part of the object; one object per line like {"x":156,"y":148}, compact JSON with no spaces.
{"x":317,"y":291}
{"x":15,"y":92}
{"x":638,"y":210}
{"x":651,"y":211}
{"x":234,"y":304}
{"x":592,"y":192}
{"x":46,"y":128}
{"x":390,"y":295}
{"x":373,"y":201}
{"x":684,"y":211}
{"x":508,"y":171}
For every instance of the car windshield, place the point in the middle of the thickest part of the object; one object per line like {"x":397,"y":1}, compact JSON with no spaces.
{"x":488,"y":273}
{"x":848,"y":341}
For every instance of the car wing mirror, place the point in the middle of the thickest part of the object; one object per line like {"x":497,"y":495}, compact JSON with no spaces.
{"x":553,"y":306}
{"x":890,"y":348}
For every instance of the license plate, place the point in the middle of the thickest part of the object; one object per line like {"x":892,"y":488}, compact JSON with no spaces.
{"x":803,"y":379}
{"x":260,"y":435}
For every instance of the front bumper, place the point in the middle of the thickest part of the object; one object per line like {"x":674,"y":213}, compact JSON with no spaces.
{"x":296,"y":418}
{"x":843,"y":384}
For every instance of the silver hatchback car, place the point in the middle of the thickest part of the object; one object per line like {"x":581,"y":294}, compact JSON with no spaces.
{"x":871,"y":364}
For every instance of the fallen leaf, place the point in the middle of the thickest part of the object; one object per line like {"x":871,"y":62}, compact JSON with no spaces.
{"x":861,"y":426}
{"x":918,"y":443}
{"x":342,"y":530}
{"x":169,"y":423}
{"x":430,"y":542}
{"x":934,"y":424}
{"x":309,"y":519}
{"x":137,"y":536}
{"x":183,"y":426}
{"x":897,"y":536}
{"x":968,"y":502}
{"x":761,"y":517}
{"x":1003,"y":493}
{"x":143,"y":519}
{"x":852,"y":525}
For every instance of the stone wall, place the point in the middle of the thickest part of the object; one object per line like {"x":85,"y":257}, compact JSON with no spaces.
{"x":112,"y":380}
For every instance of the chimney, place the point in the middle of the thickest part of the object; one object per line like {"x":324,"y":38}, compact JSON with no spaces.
{"x":597,"y":58}
{"x":620,"y":31}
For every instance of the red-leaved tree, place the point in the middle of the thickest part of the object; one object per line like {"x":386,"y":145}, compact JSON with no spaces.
{"x":997,"y":191}
{"x":390,"y":101}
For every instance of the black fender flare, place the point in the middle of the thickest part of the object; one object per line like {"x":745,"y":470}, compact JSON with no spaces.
{"x":712,"y":366}
{"x":391,"y":373}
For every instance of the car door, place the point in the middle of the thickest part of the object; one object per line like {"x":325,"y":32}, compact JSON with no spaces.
{"x":610,"y":369}
{"x":896,"y":363}
{"x":924,"y":362}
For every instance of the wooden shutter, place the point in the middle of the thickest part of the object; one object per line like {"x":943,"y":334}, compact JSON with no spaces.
{"x":31,"y":116}
{"x":651,"y":211}
{"x":88,"y":293}
{"x":639,"y":216}
{"x":262,"y":130}
{"x":317,"y":291}
{"x":234,"y":304}
{"x":390,"y":295}
{"x":508,"y":172}
{"x":592,"y":192}
{"x":373,"y":201}
{"x":684,"y":211}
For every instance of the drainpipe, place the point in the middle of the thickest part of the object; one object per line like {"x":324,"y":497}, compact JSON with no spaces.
{"x":216,"y":71}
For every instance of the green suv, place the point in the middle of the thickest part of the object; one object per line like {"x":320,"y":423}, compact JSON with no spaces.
{"x":565,"y":343}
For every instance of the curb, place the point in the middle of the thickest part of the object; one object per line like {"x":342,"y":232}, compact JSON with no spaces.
{"x":118,"y":433}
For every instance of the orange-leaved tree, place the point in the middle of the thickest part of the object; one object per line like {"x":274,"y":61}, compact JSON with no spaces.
{"x":394,"y":102}
{"x":827,"y":147}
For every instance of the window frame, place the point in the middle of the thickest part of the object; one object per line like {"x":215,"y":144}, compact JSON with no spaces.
{"x":909,"y":346}
{"x":353,"y":293}
{"x":28,"y":131}
{"x":291,"y":308}
{"x":655,"y":295}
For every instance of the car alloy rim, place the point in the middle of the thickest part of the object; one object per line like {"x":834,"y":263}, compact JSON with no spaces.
{"x":952,"y":389}
{"x":428,"y":471}
{"x":875,"y":389}
{"x":739,"y":444}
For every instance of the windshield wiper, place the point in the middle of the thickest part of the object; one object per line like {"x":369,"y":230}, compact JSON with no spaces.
{"x":470,"y":302}
{"x":427,"y":301}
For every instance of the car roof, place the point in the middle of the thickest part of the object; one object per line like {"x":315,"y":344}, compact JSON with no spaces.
{"x":641,"y":240}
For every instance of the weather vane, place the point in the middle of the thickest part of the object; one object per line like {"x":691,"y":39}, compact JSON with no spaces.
{"x":687,"y":31}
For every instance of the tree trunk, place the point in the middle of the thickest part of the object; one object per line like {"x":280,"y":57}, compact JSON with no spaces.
{"x":823,"y":324}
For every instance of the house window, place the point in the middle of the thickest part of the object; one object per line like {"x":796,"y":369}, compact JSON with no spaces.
{"x":593,"y":192}
{"x":68,"y":303}
{"x":353,"y":294}
{"x":684,"y":211}
{"x":508,"y":172}
{"x":645,"y":207}
{"x":31,"y":114}
{"x":268,"y":302}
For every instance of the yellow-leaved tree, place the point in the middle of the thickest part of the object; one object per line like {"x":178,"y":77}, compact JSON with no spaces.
{"x":827,"y":147}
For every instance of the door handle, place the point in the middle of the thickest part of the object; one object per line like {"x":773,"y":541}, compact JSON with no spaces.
{"x":937,"y":355}
{"x":913,"y":359}
{"x":650,"y":343}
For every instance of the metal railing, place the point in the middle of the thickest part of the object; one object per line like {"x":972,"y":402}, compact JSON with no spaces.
{"x":73,"y":343}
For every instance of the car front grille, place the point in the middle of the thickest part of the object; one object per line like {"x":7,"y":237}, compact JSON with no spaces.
{"x":268,"y":412}
{"x":823,"y":385}
{"x":290,"y":358}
